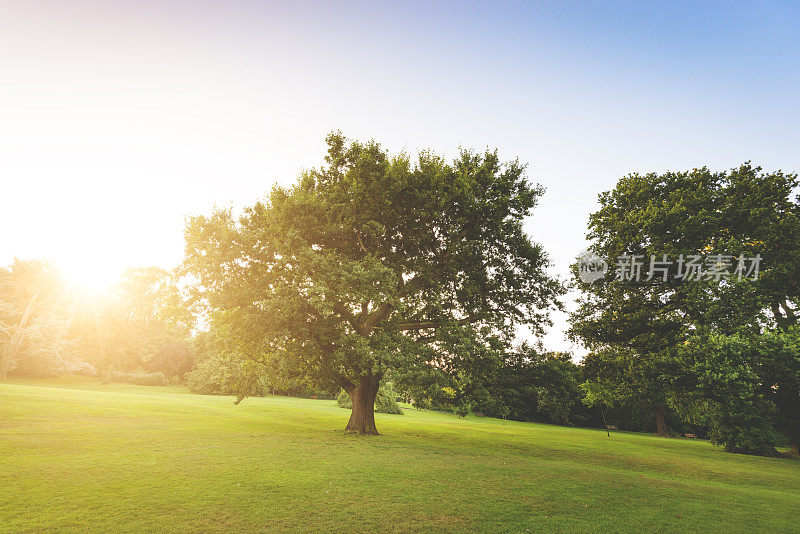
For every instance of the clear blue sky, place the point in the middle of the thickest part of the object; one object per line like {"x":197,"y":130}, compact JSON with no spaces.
{"x":119,"y":119}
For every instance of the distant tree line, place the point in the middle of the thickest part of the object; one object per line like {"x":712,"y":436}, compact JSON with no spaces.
{"x":48,"y":327}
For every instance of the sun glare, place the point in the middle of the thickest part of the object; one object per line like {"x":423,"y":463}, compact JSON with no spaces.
{"x":90,"y":276}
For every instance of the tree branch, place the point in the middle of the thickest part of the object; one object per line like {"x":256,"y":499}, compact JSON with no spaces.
{"x":382,"y":313}
{"x":344,"y":312}
{"x":361,"y":243}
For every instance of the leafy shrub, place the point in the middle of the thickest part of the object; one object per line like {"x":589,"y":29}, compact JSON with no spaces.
{"x":209,"y":377}
{"x":139,"y":378}
{"x":224,"y":376}
{"x":745,"y":427}
{"x":343,"y":400}
{"x":174,"y":381}
{"x":172,"y":359}
{"x":434,"y":397}
{"x":385,"y":400}
{"x":461,"y":409}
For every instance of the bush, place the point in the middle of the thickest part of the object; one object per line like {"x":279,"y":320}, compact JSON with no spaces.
{"x":172,"y":359}
{"x":434,"y":397}
{"x":174,"y":381}
{"x":343,"y":400}
{"x":745,"y":428}
{"x":210,"y":377}
{"x":385,"y":401}
{"x":139,"y":378}
{"x":240,"y":377}
{"x":224,"y":376}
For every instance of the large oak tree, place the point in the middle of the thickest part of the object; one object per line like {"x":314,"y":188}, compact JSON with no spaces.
{"x":373,"y":263}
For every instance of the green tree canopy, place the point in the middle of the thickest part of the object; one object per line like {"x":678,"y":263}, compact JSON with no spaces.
{"x":373,"y":263}
{"x":635,"y":328}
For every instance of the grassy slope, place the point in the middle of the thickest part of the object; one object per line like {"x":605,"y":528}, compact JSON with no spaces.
{"x":80,"y":455}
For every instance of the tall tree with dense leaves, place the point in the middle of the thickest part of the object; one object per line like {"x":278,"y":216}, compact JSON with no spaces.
{"x":716,"y":216}
{"x":374,"y":263}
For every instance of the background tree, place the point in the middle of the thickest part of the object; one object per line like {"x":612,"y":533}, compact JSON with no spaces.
{"x":172,"y":359}
{"x":600,"y":394}
{"x":139,"y":323}
{"x":530,"y":384}
{"x":754,"y":383}
{"x":373,"y":263}
{"x":743,"y":212}
{"x":35,"y":315}
{"x":641,"y":382}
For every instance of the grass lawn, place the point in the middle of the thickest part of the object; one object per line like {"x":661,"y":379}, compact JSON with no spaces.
{"x":76,"y":455}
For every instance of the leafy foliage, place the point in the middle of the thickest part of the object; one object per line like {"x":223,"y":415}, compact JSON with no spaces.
{"x":172,"y":359}
{"x":225,"y":376}
{"x":142,"y":322}
{"x":635,"y":330}
{"x":48,"y":328}
{"x":531,"y":384}
{"x":374,"y":263}
{"x":34,"y":323}
{"x":140,"y":378}
{"x":754,"y":381}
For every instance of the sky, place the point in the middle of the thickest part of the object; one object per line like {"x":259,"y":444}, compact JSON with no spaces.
{"x":120,"y":119}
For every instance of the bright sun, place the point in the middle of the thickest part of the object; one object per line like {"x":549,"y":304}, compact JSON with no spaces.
{"x":91,"y":275}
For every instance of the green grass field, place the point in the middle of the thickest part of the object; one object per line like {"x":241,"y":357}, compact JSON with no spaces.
{"x":81,"y":456}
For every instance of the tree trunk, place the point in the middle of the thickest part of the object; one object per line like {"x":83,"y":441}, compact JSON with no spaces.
{"x":661,"y":422}
{"x":362,"y":418}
